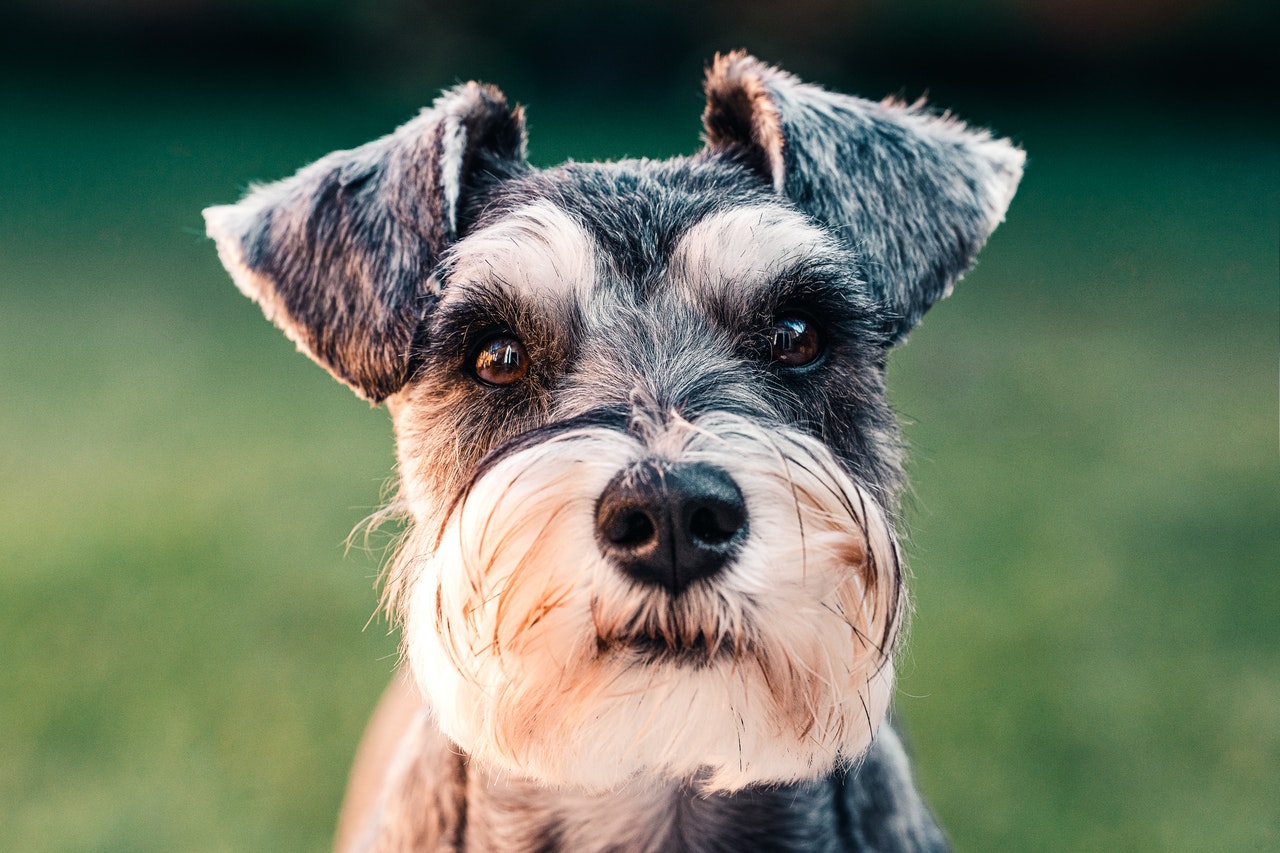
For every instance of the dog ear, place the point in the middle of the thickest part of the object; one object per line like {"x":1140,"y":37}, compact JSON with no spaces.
{"x":340,"y":255}
{"x":915,"y":195}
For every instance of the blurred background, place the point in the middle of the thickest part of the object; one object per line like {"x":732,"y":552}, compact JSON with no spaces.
{"x":187,"y":654}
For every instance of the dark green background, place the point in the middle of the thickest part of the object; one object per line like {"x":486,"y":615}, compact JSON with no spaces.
{"x":1094,"y":660}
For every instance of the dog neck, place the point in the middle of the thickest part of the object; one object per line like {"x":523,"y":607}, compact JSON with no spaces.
{"x":439,"y":800}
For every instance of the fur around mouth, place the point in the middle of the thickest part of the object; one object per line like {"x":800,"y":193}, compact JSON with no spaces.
{"x":652,"y":648}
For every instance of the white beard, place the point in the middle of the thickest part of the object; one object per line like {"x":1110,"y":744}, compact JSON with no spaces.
{"x":523,"y":636}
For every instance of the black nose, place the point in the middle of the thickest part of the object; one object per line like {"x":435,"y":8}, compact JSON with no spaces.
{"x":671,"y":525}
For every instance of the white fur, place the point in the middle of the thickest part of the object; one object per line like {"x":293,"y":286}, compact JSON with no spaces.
{"x":741,"y":249}
{"x":537,"y":250}
{"x":506,"y":617}
{"x":453,"y":149}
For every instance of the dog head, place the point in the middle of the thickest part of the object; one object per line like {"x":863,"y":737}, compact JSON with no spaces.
{"x":642,"y":434}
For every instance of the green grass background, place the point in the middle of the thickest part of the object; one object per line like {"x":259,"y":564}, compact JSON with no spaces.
{"x":184,"y":658}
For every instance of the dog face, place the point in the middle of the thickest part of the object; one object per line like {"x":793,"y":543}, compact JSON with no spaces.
{"x":640,"y":415}
{"x":649,"y":541}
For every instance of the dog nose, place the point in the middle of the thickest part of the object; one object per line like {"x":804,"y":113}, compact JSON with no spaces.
{"x":671,"y":525}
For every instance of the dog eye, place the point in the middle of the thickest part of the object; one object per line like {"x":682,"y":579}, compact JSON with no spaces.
{"x":501,"y":360}
{"x":794,"y":341}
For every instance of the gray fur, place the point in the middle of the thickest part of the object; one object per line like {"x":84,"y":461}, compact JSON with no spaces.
{"x":362,"y":259}
{"x":871,"y":807}
{"x":913,"y":194}
{"x":340,"y":255}
{"x":692,"y":348}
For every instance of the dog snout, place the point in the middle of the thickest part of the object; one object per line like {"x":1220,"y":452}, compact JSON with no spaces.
{"x":671,"y":525}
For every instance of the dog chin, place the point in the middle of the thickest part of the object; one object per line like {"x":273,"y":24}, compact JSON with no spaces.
{"x":702,"y":727}
{"x":540,"y":659}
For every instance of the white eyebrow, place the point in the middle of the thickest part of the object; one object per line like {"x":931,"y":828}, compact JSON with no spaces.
{"x":743,"y":249}
{"x":538,"y":248}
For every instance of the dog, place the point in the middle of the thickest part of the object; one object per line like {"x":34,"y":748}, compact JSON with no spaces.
{"x":649,"y":586}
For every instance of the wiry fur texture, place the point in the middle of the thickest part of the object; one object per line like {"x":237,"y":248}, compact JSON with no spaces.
{"x":447,"y":803}
{"x":740,"y":712}
{"x":292,"y":246}
{"x":937,"y":188}
{"x":577,"y":676}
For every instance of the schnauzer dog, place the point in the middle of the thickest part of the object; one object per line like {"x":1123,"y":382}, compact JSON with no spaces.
{"x":649,"y":585}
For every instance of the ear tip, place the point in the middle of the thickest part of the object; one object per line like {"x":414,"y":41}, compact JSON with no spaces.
{"x":733,"y":58}
{"x":217,"y":219}
{"x":1011,"y":155}
{"x":232,"y":223}
{"x":1006,"y":157}
{"x":469,"y":97}
{"x":485,"y":112}
{"x":995,"y":162}
{"x":734,"y":66}
{"x":1007,"y":161}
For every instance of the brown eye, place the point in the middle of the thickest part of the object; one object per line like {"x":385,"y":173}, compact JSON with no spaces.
{"x":501,"y":360}
{"x":794,"y":341}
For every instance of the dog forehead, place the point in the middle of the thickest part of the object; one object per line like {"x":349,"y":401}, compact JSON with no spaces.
{"x":636,"y":232}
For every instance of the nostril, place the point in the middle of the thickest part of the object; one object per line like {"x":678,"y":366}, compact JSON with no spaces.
{"x":630,"y":529}
{"x":714,"y":526}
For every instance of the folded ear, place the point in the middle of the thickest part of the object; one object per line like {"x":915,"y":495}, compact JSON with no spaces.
{"x":915,"y":195}
{"x":340,"y":255}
